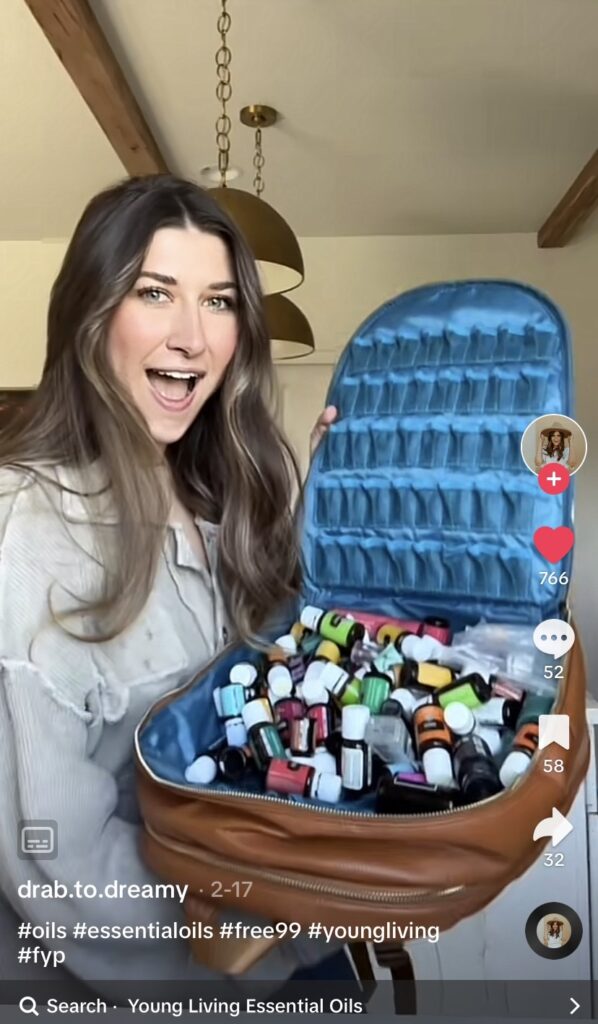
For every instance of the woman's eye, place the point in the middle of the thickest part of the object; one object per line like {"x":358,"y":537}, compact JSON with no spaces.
{"x":221,"y":302}
{"x":151,"y":294}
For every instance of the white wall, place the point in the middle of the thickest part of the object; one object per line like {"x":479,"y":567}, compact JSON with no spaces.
{"x":347,"y":278}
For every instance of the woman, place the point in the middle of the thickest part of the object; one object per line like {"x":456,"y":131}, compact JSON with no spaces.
{"x":144,"y":518}
{"x":555,"y":444}
{"x":554,"y":935}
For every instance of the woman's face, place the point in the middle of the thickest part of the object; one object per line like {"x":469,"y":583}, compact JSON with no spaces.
{"x":555,"y":437}
{"x":173,"y":336}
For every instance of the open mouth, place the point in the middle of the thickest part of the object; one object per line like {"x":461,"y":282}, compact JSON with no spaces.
{"x":173,"y":384}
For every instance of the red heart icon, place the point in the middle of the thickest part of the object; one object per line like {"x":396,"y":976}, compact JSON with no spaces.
{"x":554,"y":544}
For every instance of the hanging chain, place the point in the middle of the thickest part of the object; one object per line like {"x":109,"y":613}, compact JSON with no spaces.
{"x":258,"y":162}
{"x":223,"y":93}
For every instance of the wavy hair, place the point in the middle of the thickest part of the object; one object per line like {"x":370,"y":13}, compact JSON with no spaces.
{"x":553,"y":449}
{"x":233,"y":466}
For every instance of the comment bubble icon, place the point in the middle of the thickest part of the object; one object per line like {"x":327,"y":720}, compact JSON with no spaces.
{"x":555,"y":637}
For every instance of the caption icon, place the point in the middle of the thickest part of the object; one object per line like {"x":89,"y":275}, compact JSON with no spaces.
{"x":554,"y":636}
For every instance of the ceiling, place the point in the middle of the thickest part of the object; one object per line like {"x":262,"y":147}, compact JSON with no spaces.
{"x":399,"y":116}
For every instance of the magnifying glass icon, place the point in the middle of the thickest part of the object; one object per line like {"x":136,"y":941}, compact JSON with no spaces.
{"x":28,"y":1005}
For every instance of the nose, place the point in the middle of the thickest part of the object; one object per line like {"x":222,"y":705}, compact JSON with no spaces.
{"x":188,"y":333}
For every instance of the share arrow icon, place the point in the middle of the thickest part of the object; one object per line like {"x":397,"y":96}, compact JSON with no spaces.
{"x":556,"y":827}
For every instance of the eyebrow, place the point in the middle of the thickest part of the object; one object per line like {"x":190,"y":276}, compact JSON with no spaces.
{"x":166,"y":279}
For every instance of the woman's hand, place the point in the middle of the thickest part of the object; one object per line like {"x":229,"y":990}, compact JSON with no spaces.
{"x":323,"y":421}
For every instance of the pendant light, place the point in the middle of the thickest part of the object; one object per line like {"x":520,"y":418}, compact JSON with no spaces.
{"x":289,"y":328}
{"x":274,"y":246}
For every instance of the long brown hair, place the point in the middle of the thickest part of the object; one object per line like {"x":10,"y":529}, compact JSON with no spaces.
{"x":233,"y":466}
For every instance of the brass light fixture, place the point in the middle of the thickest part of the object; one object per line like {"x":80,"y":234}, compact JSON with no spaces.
{"x":274,"y":246}
{"x":289,"y":328}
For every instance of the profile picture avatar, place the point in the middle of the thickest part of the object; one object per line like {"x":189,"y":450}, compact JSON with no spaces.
{"x":553,"y":931}
{"x":554,"y":439}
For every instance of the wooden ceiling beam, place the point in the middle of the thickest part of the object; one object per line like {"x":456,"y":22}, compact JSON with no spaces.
{"x":575,"y":207}
{"x":72,"y":30}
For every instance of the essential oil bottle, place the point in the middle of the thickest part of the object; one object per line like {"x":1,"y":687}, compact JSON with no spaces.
{"x":232,"y":702}
{"x":293,"y":660}
{"x":426,"y":673}
{"x":498,"y":712}
{"x":475,"y":770}
{"x":472,"y":690}
{"x":317,"y":701}
{"x":263,"y":736}
{"x":394,"y":796}
{"x":375,"y":689}
{"x":356,"y":758}
{"x":285,"y":712}
{"x":434,"y":744}
{"x":518,"y":760}
{"x":246,"y":675}
{"x":342,"y":631}
{"x":293,"y":778}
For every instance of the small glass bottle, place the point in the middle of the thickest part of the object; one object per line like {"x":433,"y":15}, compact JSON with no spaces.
{"x":285,"y":711}
{"x":426,"y":673}
{"x":317,"y":701}
{"x":476,"y":772}
{"x":434,"y":745}
{"x":375,"y":689}
{"x":499,"y":712}
{"x":294,"y":778}
{"x":246,"y":675}
{"x":342,"y":631}
{"x":518,"y":760}
{"x":472,"y":690}
{"x":356,"y":757}
{"x":232,"y":701}
{"x":264,"y":740}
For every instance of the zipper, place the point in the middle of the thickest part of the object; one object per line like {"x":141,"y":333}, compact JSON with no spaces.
{"x":325,"y":886}
{"x":209,"y":793}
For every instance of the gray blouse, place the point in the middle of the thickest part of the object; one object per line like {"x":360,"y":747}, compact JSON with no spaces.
{"x":68,"y":712}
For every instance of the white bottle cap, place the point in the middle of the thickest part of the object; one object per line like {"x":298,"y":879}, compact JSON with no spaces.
{"x":312,"y":692}
{"x":490,"y":736}
{"x":405,"y":698}
{"x":280,"y":682}
{"x":288,"y":643}
{"x":459,"y":718}
{"x":255,"y":712}
{"x":202,"y":771}
{"x":332,"y":677}
{"x":236,"y":732}
{"x":244,"y":673}
{"x":355,"y":718}
{"x":314,"y":670}
{"x":326,"y":787}
{"x":310,"y":616}
{"x":324,"y":761}
{"x":421,"y":648}
{"x":438,"y":767}
{"x":515,"y":765}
